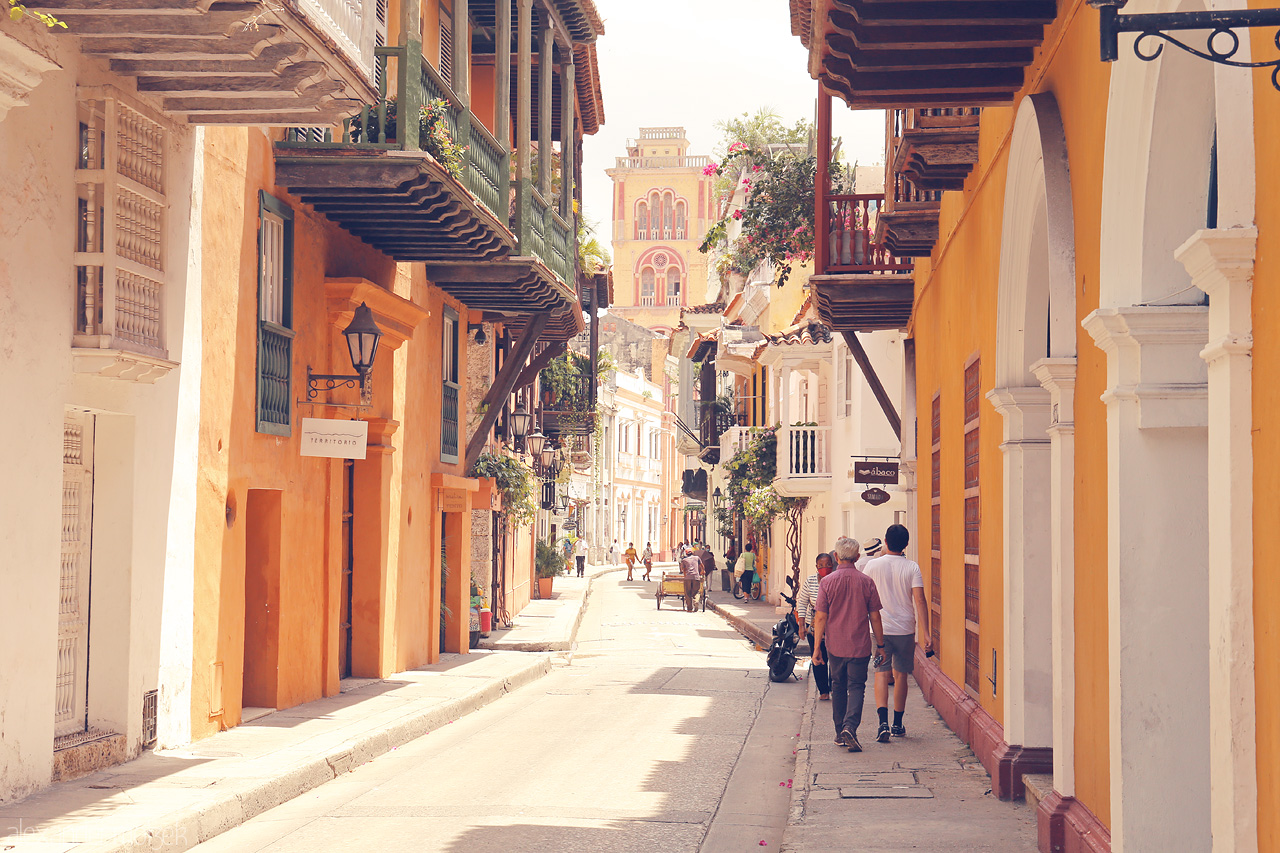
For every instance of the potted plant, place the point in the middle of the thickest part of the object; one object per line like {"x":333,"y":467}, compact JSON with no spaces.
{"x":548,"y":562}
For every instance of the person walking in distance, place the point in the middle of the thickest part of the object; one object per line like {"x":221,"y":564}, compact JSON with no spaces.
{"x":580,"y":555}
{"x":901,"y":588}
{"x":708,"y":560}
{"x":804,"y":608}
{"x":615,"y":554}
{"x":630,"y":556}
{"x":847,"y":601}
{"x":691,"y":568}
{"x":647,"y":558}
{"x":747,"y":570}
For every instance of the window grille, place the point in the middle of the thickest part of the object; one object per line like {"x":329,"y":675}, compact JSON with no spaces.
{"x":446,"y":45}
{"x":449,"y":373}
{"x":275,"y":315}
{"x":120,"y":227}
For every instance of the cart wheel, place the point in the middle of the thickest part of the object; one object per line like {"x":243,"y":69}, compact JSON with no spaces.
{"x":658,"y":598}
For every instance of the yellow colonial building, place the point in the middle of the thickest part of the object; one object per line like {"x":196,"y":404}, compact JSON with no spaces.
{"x":662,"y":204}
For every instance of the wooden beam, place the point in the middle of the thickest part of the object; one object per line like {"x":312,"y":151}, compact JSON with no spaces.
{"x":539,"y":361}
{"x":567,"y":98}
{"x":546,"y":77}
{"x":873,"y":382}
{"x":524,"y":120}
{"x":822,"y":212}
{"x":503,"y":385}
{"x":502,"y":76}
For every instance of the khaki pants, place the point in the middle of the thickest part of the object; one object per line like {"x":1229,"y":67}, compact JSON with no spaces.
{"x":690,"y":592}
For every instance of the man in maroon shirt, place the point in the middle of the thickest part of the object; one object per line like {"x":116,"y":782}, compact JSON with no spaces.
{"x":847,"y":601}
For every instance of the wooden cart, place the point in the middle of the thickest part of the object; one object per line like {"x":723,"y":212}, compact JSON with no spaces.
{"x":672,"y":585}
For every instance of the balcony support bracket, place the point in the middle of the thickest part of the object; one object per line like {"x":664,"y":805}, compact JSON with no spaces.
{"x":873,"y":381}
{"x":503,"y":385}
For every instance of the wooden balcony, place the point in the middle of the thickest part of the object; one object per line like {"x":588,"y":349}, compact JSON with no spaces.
{"x":935,"y":148}
{"x":286,"y":62}
{"x":859,"y":283}
{"x":921,"y":53}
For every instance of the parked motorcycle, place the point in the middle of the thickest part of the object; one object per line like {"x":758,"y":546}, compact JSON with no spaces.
{"x":786,"y":636}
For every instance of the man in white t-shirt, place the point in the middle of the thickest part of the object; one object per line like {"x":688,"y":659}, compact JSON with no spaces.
{"x":901,"y":588}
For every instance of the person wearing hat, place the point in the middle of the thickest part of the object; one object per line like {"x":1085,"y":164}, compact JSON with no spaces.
{"x":901,"y":587}
{"x":871,"y":549}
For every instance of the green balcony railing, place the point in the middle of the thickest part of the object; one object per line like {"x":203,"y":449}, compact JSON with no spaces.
{"x":486,"y":163}
{"x":548,"y":237}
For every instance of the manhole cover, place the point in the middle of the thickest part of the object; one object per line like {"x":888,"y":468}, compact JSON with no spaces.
{"x":838,"y":780}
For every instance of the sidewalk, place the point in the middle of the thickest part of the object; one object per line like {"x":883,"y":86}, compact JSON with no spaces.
{"x":753,"y":619}
{"x":549,"y":624}
{"x":926,"y":791}
{"x":170,"y":800}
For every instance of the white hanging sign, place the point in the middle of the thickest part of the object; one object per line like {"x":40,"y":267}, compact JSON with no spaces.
{"x":334,"y":438}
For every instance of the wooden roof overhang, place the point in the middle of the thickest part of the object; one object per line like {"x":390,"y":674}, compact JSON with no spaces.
{"x":243,"y":63}
{"x":926,"y":53}
{"x":937,"y":152}
{"x":579,"y":19}
{"x":403,"y":203}
{"x":509,"y":290}
{"x":909,"y":230}
{"x":864,"y":302}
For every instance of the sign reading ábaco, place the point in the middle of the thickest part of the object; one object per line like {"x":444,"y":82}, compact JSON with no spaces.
{"x":865,"y":471}
{"x":334,"y":438}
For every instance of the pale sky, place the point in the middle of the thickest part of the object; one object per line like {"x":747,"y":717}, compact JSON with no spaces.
{"x":692,"y":63}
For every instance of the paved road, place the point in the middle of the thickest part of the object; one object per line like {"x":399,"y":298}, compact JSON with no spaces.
{"x":662,"y":733}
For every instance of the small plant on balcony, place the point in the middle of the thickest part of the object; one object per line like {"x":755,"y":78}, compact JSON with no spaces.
{"x":564,"y":383}
{"x":433,"y":133}
{"x":751,"y":494}
{"x":515,"y":484}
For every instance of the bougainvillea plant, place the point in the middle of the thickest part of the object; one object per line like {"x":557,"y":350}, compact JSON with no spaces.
{"x":776,"y":215}
{"x":17,"y":11}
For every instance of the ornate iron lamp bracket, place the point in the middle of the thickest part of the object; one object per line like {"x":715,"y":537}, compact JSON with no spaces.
{"x":317,"y":382}
{"x":1153,"y":31}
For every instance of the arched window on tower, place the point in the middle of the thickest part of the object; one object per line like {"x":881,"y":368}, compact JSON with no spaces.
{"x":646,"y":286}
{"x":655,"y":218}
{"x":667,"y":204}
{"x":673,"y":285}
{"x":680,"y":220}
{"x":642,"y":221}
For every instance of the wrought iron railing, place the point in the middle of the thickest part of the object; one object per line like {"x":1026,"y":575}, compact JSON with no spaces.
{"x":275,"y":361}
{"x":449,"y":422}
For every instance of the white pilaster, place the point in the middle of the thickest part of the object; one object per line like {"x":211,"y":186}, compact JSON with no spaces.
{"x":1157,"y":575}
{"x":1028,"y":660}
{"x":1058,"y":377}
{"x":1221,"y":264}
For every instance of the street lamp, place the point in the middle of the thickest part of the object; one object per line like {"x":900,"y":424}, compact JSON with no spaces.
{"x":362,"y":335}
{"x":534,"y":445}
{"x":520,"y":423}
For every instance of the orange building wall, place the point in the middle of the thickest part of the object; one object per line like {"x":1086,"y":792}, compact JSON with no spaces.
{"x":1266,"y":449}
{"x":396,"y":599}
{"x":955,"y":317}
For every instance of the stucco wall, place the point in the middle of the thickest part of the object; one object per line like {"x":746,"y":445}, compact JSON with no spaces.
{"x":136,"y":428}
{"x":956,"y":295}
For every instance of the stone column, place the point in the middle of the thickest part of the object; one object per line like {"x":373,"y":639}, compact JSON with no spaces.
{"x":1157,"y":574}
{"x":1028,"y":659}
{"x":1221,"y":264}
{"x":1058,"y":377}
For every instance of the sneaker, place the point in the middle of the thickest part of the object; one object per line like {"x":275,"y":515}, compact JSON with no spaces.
{"x":839,"y":739}
{"x":882,"y":734}
{"x":898,"y":731}
{"x":851,"y":741}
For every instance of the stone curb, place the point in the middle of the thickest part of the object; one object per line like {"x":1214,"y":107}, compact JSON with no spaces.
{"x":560,"y":645}
{"x":803,"y":775}
{"x":750,"y":630}
{"x":185,"y":828}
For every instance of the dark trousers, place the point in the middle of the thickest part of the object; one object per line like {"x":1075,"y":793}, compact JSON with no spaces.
{"x":848,"y":690}
{"x":821,"y":672}
{"x":691,"y":593}
{"x":582,"y":564}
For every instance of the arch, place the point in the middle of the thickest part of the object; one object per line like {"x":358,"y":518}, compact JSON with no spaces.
{"x":642,"y":219}
{"x":1034,"y":374}
{"x":681,"y":229}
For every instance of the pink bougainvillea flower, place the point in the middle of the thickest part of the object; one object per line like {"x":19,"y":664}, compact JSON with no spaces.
{"x":710,"y":169}
{"x":756,"y":168}
{"x":737,"y":214}
{"x":737,"y":146}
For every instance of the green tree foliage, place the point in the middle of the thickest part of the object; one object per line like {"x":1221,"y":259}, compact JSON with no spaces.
{"x":515,"y":484}
{"x":750,"y":491}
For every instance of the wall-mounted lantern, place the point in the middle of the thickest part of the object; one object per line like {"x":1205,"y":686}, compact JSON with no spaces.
{"x":520,"y":423}
{"x":362,"y":335}
{"x":534,"y":444}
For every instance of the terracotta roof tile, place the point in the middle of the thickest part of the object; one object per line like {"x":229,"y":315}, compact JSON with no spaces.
{"x":806,"y":333}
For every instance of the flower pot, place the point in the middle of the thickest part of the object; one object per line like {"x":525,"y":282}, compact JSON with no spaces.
{"x":544,"y":587}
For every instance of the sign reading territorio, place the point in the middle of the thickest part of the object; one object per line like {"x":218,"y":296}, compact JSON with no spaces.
{"x":885,"y":473}
{"x":334,"y":438}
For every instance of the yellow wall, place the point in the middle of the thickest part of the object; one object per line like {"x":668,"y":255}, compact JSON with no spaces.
{"x":397,"y":564}
{"x":955,"y":318}
{"x":1266,"y":447}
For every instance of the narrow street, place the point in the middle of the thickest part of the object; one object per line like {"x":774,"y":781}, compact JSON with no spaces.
{"x":663,"y":732}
